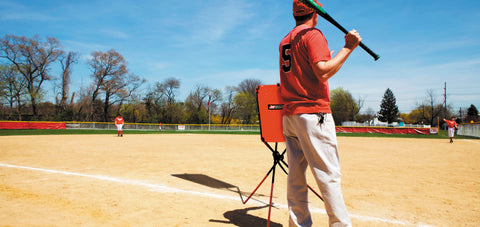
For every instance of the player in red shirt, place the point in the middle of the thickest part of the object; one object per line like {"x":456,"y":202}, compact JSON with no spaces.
{"x":119,"y":124}
{"x":306,"y":65}
{"x":452,"y":125}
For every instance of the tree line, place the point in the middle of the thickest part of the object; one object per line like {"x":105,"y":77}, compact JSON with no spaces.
{"x":26,"y":67}
{"x":431,"y":111}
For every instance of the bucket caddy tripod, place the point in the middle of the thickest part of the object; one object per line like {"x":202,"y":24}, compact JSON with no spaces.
{"x":270,"y":108}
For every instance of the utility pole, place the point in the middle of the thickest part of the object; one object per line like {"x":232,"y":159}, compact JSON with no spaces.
{"x":209,"y":98}
{"x":445,"y":100}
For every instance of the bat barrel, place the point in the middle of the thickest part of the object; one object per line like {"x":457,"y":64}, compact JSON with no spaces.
{"x":336,"y":24}
{"x":320,"y":11}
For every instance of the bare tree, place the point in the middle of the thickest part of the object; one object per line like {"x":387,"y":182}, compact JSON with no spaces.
{"x":160,"y":102}
{"x":195,"y":105}
{"x":133,"y":83}
{"x":360,"y":103}
{"x":154,"y":100}
{"x":431,"y":108}
{"x":248,"y":86}
{"x":110,"y":78}
{"x":199,"y":101}
{"x":171,"y":85}
{"x":32,"y":58}
{"x":214,"y":95}
{"x":66,"y":61}
{"x":84,"y":104}
{"x":246,"y":102}
{"x":227,"y":107}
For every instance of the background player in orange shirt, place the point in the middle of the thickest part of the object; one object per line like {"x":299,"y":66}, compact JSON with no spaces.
{"x":119,"y":124}
{"x":452,"y":125}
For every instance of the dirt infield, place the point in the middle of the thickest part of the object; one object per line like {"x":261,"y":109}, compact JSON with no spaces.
{"x":200,"y":180}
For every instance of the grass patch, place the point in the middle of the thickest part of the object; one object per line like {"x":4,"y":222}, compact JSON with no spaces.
{"x":442,"y":134}
{"x":12,"y":132}
{"x":28,"y":132}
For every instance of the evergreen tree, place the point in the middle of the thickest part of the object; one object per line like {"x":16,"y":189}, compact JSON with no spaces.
{"x":388,"y":109}
{"x":472,"y":113}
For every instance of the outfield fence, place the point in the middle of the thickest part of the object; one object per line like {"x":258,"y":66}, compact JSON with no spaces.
{"x":464,"y":129}
{"x":164,"y":127}
{"x":472,"y":129}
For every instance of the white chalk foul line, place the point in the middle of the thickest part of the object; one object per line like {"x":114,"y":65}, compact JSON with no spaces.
{"x":152,"y":187}
{"x":473,"y":141}
{"x":166,"y":189}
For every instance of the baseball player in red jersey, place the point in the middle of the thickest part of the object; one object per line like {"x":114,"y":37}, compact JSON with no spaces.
{"x":119,"y":124}
{"x":305,"y":67}
{"x":452,"y":125}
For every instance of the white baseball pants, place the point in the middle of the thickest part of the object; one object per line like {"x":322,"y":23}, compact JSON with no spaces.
{"x":451,"y":132}
{"x":311,"y":142}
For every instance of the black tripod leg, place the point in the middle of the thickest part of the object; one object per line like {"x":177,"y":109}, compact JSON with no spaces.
{"x":271,"y":193}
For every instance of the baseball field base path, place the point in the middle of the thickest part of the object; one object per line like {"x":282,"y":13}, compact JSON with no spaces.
{"x":200,"y":180}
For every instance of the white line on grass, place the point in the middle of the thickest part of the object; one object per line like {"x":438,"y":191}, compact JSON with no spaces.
{"x":166,"y":189}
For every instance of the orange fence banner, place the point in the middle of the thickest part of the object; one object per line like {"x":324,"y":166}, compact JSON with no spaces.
{"x":32,"y":125}
{"x":384,"y":130}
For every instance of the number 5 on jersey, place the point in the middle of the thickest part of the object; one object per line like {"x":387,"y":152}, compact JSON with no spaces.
{"x":287,"y":57}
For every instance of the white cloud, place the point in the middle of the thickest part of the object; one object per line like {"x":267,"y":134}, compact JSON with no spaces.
{"x":14,"y":11}
{"x":217,"y":19}
{"x":115,"y":33}
{"x":213,"y":22}
{"x":158,"y":65}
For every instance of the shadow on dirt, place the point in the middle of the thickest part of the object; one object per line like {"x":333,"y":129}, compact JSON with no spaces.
{"x":214,"y":183}
{"x":241,"y":218}
{"x":238,"y":217}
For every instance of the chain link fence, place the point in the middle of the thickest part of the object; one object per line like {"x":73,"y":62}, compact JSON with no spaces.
{"x":164,"y":127}
{"x":472,"y":129}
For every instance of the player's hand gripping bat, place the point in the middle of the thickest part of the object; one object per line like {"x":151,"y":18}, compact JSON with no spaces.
{"x":320,"y":11}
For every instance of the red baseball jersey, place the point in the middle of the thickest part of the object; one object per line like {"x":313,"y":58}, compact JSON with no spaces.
{"x":451,"y":124}
{"x":301,"y":90}
{"x":118,"y":120}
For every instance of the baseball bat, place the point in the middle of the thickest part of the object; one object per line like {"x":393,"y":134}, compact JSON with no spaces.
{"x":320,"y":11}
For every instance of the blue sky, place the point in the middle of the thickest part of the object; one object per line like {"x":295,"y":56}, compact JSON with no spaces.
{"x":422,"y":44}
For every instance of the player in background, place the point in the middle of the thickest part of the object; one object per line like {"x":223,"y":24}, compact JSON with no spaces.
{"x":119,"y":124}
{"x":452,"y":126}
{"x":306,"y":64}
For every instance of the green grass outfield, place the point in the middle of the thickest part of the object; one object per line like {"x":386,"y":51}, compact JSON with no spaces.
{"x":11,"y":132}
